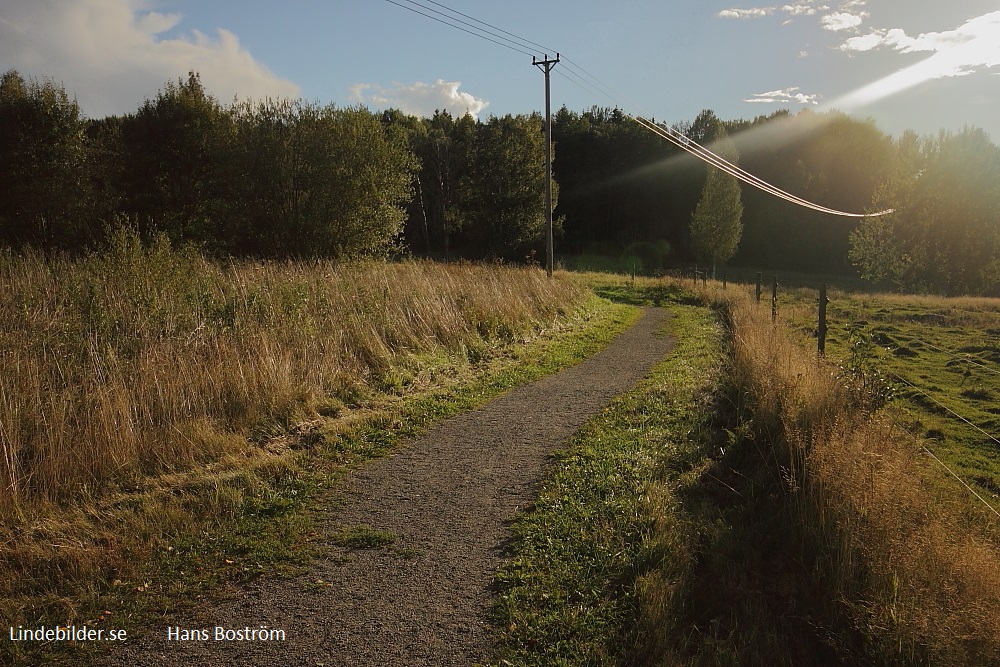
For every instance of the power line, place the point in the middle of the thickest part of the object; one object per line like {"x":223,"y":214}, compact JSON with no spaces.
{"x":520,"y":39}
{"x":474,"y":34}
{"x":699,"y":151}
{"x":568,"y":62}
{"x":603,"y":89}
{"x":578,"y":81}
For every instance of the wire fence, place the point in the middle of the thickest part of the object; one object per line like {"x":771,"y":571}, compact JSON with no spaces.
{"x":821,"y":329}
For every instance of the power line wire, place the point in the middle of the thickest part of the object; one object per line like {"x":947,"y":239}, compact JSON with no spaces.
{"x":474,"y":34}
{"x":517,"y":42}
{"x":699,"y":151}
{"x":520,"y":39}
{"x":577,"y":81}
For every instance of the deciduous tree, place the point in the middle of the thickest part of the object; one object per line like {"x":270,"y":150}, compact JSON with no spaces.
{"x":716,"y":225}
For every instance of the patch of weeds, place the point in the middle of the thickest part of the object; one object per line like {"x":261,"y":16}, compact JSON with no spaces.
{"x":861,"y":372}
{"x":979,"y":394}
{"x":409,"y":553}
{"x":363,"y":537}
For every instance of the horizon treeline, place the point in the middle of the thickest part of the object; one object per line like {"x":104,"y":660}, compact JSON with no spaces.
{"x":294,"y":179}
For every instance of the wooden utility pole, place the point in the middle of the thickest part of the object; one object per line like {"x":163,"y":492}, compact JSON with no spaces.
{"x":546,"y":66}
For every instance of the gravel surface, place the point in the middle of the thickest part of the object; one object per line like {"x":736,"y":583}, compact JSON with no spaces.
{"x":446,"y":498}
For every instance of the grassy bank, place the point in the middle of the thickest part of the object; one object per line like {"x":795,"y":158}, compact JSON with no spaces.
{"x":939,"y":356}
{"x":163,"y":410}
{"x":884,"y":562}
{"x":605,"y":523}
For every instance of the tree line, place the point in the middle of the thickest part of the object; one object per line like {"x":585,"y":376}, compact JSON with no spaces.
{"x":289,"y":178}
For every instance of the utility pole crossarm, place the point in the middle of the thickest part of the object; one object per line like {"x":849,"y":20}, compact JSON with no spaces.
{"x":546,"y":67}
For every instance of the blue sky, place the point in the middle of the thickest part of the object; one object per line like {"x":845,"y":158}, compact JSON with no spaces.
{"x":922,"y":66}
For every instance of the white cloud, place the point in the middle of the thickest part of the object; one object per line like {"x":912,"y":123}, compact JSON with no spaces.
{"x":974,"y":44}
{"x":786,"y":95}
{"x":864,"y":42}
{"x":972,"y":47}
{"x":421,"y":99}
{"x":805,"y":8}
{"x":111,"y":54}
{"x":756,"y":12}
{"x":842,"y":21}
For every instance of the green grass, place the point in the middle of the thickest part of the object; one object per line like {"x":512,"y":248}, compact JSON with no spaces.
{"x":363,"y":537}
{"x":568,"y":593}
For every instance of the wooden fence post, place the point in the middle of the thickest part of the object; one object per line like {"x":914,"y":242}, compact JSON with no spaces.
{"x":774,"y":300}
{"x":760,"y":276}
{"x":821,"y":328}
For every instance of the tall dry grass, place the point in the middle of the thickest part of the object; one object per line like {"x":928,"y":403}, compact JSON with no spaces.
{"x":146,"y":360}
{"x":912,"y":564}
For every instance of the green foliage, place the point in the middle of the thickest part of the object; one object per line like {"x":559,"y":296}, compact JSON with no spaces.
{"x":502,"y":194}
{"x":716,"y":225}
{"x":42,"y":154}
{"x":944,"y":234}
{"x":173,"y":152}
{"x":363,"y":537}
{"x":619,"y":184}
{"x":316,"y":181}
{"x":868,"y":385}
{"x":292,"y":178}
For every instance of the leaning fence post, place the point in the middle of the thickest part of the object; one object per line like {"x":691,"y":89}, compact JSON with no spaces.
{"x":821,"y":328}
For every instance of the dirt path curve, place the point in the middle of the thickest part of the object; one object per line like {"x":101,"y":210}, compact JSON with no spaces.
{"x":424,"y":599}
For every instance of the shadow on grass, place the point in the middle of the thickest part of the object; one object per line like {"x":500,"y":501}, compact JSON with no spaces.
{"x":645,"y":294}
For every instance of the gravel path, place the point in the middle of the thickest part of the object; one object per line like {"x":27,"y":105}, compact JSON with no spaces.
{"x":446,"y":497}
